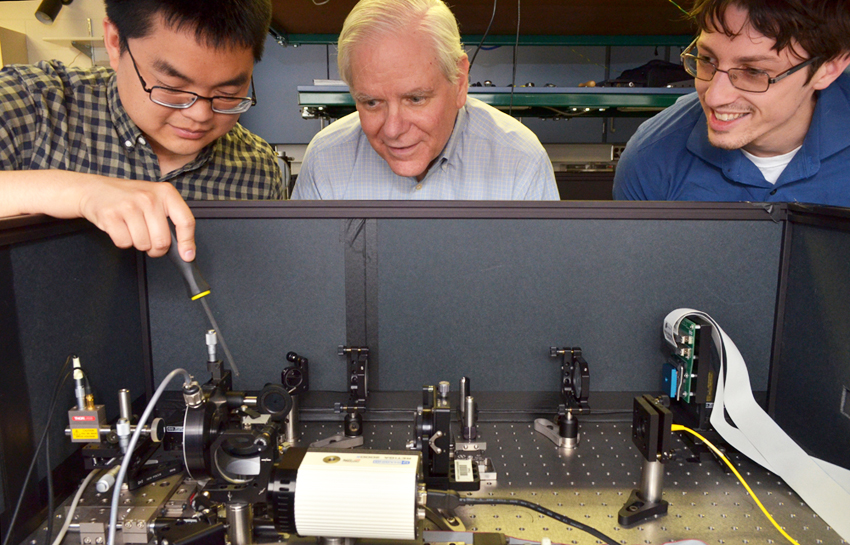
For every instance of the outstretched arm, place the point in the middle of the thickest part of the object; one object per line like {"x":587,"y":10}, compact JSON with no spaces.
{"x":133,"y":213}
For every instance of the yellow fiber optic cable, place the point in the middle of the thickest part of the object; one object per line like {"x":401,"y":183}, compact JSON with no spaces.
{"x":677,"y":427}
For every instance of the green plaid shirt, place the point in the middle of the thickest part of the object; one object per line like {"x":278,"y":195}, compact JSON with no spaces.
{"x":58,"y":117}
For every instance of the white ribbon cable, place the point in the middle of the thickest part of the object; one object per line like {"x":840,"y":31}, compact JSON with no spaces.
{"x":823,"y":486}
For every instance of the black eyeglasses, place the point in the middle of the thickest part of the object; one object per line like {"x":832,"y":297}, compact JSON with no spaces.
{"x":751,"y":80}
{"x":175,"y":98}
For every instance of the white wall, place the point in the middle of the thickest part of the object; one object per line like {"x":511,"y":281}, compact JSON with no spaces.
{"x":73,"y":21}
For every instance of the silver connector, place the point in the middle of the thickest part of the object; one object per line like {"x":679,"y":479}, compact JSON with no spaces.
{"x":123,"y":426}
{"x":469,"y":411}
{"x":239,"y":518}
{"x":193,"y":396}
{"x":464,"y":393}
{"x":292,"y":420}
{"x":468,"y":430}
{"x":105,"y":482}
{"x":212,"y":341}
{"x":421,"y":501}
{"x":79,"y":384}
{"x":125,"y":405}
{"x":123,"y":431}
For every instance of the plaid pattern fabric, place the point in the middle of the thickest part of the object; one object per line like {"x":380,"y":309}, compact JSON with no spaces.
{"x":489,"y":156}
{"x":57,"y":117}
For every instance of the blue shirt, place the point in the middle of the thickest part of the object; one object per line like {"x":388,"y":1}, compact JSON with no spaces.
{"x":489,"y":156}
{"x":671,"y":158}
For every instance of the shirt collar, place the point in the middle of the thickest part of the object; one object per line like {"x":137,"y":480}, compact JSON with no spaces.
{"x":127,"y":131}
{"x":461,"y":121}
{"x":448,"y":153}
{"x":829,"y":123}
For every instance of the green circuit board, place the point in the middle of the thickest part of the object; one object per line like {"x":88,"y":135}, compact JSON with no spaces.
{"x":684,"y":354}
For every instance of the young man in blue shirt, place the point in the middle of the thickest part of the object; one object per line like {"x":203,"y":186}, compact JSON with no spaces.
{"x":770,"y":116}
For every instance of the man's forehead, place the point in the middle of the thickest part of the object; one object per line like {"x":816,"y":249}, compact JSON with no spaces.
{"x":747,"y":47}
{"x":192,"y":60}
{"x":394,"y":63}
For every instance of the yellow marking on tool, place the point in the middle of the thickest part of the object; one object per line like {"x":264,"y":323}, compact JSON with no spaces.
{"x":202,"y":294}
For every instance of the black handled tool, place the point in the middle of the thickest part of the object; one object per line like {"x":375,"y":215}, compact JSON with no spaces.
{"x":198,"y":289}
{"x":195,"y":283}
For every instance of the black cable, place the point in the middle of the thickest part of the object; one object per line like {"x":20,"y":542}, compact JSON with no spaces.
{"x":52,"y":409}
{"x":50,"y":505}
{"x":540,"y":509}
{"x":516,"y":47}
{"x":484,"y":37}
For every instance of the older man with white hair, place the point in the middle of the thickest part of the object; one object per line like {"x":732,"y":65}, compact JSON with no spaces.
{"x":416,"y":134}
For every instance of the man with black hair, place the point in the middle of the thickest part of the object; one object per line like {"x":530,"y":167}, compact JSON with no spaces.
{"x":770,"y":116}
{"x":92,"y":142}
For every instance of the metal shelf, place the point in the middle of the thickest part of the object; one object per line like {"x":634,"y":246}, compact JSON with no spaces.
{"x":334,"y":101}
{"x":84,"y":44}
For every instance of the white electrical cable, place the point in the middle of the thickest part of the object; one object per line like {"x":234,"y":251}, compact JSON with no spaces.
{"x":73,"y":507}
{"x":823,"y":486}
{"x":119,"y":480}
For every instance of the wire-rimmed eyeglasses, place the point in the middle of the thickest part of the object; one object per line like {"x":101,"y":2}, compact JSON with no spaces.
{"x":751,"y":80}
{"x":175,"y":98}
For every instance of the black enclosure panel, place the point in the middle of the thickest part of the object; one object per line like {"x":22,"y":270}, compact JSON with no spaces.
{"x":69,"y":294}
{"x":436,"y":298}
{"x":277,"y":286}
{"x":812,"y":375}
{"x":487,"y":298}
{"x":436,"y":291}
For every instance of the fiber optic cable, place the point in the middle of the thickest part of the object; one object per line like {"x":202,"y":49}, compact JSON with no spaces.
{"x":677,"y":427}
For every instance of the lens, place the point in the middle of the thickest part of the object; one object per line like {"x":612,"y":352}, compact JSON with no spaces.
{"x":705,"y":70}
{"x":747,"y":79}
{"x":172,"y":97}
{"x":230,"y":105}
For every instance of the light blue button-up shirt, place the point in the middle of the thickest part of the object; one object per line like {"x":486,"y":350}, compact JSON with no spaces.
{"x":489,"y":156}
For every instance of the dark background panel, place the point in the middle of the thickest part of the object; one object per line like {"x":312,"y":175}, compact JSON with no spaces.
{"x":72,"y":294}
{"x":486,"y":298}
{"x":14,"y":401}
{"x":77,"y":294}
{"x":813,"y":371}
{"x":277,"y":286}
